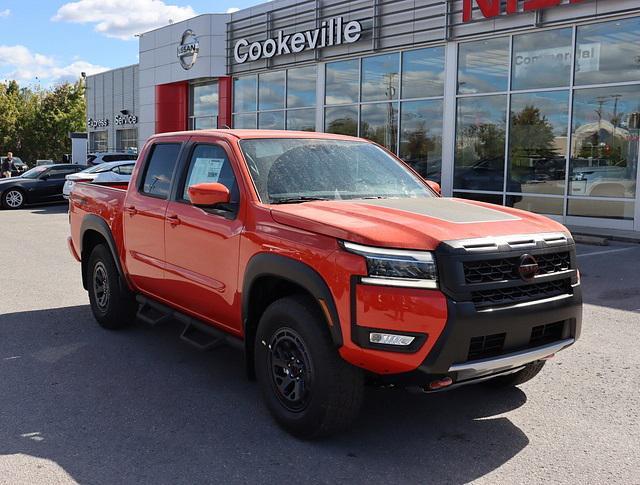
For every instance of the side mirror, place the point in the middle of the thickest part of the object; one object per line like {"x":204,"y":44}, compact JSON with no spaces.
{"x":435,"y":186}
{"x":208,"y":194}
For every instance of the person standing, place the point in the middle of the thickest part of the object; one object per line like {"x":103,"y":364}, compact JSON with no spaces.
{"x":7,"y":165}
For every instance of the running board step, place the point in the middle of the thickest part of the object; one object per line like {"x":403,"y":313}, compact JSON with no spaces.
{"x":151,"y":313}
{"x":199,"y":334}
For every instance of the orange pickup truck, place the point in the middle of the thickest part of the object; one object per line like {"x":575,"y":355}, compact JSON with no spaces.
{"x":330,"y":263}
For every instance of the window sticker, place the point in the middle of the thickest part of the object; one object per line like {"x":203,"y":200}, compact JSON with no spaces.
{"x":205,"y":170}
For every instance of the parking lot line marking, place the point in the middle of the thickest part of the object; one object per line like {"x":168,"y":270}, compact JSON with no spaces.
{"x":608,"y":251}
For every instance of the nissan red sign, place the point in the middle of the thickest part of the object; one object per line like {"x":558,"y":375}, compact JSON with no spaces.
{"x":493,"y":8}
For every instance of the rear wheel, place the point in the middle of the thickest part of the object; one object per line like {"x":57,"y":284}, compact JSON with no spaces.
{"x":529,"y":372}
{"x":111,"y":308}
{"x":309,"y":389}
{"x":13,"y":199}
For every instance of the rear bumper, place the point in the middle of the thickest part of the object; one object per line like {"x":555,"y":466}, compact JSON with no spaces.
{"x":519,"y":327}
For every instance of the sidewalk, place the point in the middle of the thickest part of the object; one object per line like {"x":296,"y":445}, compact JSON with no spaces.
{"x":610,"y":234}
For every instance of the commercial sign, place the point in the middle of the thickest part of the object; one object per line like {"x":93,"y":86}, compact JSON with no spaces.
{"x":332,"y":32}
{"x":587,"y":58}
{"x":125,"y":119}
{"x":103,"y":123}
{"x":188,"y":49}
{"x":493,"y":8}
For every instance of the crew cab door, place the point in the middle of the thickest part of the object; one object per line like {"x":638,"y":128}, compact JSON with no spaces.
{"x":143,"y":216}
{"x":202,"y":246}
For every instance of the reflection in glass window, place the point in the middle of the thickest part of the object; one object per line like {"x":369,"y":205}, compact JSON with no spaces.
{"x":209,"y":164}
{"x":204,"y":123}
{"x":380,"y":77}
{"x":301,"y":87}
{"x":480,"y":139}
{"x":604,"y":148}
{"x":489,"y":198}
{"x":244,"y":93}
{"x":423,"y":73}
{"x":342,"y":120}
{"x":301,"y":119}
{"x":271,"y":120}
{"x":421,"y":137}
{"x":608,"y":52}
{"x":342,"y":82}
{"x":379,"y":123}
{"x":204,"y":99}
{"x":271,"y":90}
{"x":483,"y":66}
{"x":542,"y":59}
{"x":159,"y":169}
{"x":538,"y":141}
{"x":245,"y":121}
{"x":541,"y":205}
{"x":606,"y":209}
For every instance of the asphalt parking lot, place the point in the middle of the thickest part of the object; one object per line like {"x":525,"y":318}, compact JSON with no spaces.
{"x":80,"y":404}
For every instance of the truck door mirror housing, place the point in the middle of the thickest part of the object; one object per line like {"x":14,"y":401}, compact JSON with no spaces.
{"x":435,"y":186}
{"x":208,"y":194}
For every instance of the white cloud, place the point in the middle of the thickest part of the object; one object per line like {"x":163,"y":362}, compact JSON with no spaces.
{"x":232,"y":9}
{"x":18,"y":62}
{"x":5,"y":13}
{"x":122,"y":18}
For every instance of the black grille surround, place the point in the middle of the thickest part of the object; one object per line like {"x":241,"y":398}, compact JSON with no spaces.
{"x":486,"y":274}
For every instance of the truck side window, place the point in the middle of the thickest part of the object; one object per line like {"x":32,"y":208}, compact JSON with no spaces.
{"x":159,"y":169}
{"x":209,"y":163}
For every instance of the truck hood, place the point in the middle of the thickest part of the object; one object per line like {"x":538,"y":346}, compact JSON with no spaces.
{"x":410,"y":223}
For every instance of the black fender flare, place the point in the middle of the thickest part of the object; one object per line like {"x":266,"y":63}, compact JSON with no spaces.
{"x":267,"y":264}
{"x":92,"y":222}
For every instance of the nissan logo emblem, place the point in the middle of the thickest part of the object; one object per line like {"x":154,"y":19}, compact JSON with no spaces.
{"x":188,"y":49}
{"x":527,"y":267}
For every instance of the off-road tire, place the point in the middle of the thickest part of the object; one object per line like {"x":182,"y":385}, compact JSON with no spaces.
{"x":529,"y":372}
{"x":112,"y":308}
{"x":333,"y":388}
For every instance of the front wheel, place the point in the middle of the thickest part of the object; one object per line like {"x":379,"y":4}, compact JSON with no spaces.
{"x":111,"y":308}
{"x":529,"y":372}
{"x":310,"y":391}
{"x":13,"y":199}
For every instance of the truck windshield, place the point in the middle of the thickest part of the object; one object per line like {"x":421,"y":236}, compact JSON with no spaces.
{"x":290,"y":170}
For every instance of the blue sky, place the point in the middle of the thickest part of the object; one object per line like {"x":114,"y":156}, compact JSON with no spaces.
{"x":48,"y":41}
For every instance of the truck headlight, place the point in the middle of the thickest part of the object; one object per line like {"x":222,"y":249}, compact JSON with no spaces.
{"x":397,"y":267}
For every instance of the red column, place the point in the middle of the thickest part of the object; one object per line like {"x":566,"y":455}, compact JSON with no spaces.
{"x":225,"y":100}
{"x":172,"y":101}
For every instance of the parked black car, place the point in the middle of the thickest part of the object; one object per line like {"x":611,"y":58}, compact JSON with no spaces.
{"x":40,"y":184}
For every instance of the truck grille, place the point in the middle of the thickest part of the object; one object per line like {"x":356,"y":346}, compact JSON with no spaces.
{"x":518,"y":294}
{"x":545,"y":334}
{"x":486,"y":346}
{"x":505,"y":269}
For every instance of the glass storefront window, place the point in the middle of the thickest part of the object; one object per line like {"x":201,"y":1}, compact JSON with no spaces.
{"x":204,"y":99}
{"x":488,"y":198}
{"x":379,"y":123}
{"x":380,"y":77}
{"x":204,"y":123}
{"x":423,"y":73}
{"x":341,"y":120}
{"x":542,"y":59}
{"x":245,"y":121}
{"x":244,"y":93}
{"x":98,"y":141}
{"x":538,"y":142}
{"x":271,"y":90}
{"x":483,"y":66}
{"x":342,"y":82}
{"x":604,"y":147}
{"x":421,"y":136}
{"x":301,"y":87}
{"x":604,"y":209}
{"x":480,"y":139}
{"x":541,"y":205}
{"x":608,"y":52}
{"x":301,"y":119}
{"x":127,"y":139}
{"x":271,"y":120}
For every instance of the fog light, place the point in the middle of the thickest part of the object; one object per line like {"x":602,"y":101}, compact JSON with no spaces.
{"x":390,"y":339}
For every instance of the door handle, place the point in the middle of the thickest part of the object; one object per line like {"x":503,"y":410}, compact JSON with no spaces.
{"x":131,"y":210}
{"x":173,"y":219}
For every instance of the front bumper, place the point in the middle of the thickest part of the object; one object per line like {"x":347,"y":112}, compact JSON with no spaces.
{"x":518,"y":324}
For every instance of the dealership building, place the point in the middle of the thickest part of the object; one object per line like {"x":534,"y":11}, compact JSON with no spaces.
{"x":528,"y":103}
